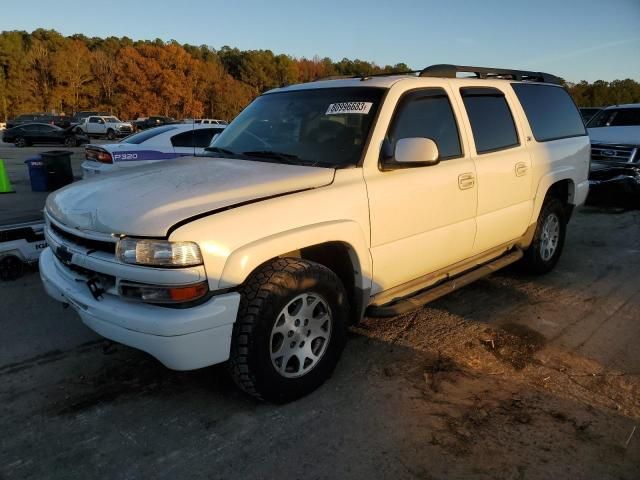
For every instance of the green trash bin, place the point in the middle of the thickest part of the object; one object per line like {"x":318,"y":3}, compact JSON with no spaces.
{"x":58,"y":166}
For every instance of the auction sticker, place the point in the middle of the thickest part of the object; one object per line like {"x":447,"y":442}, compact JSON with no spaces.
{"x":349,"y":107}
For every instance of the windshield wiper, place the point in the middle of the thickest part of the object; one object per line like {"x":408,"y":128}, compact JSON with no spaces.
{"x":284,"y":157}
{"x":219,"y":150}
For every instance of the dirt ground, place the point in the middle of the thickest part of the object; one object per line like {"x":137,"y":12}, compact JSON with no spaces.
{"x":510,"y":378}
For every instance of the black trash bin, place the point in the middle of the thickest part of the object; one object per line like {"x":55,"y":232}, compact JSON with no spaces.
{"x":58,"y":166}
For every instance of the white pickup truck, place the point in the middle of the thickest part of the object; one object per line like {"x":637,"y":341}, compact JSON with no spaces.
{"x":321,"y":203}
{"x":104,"y":126}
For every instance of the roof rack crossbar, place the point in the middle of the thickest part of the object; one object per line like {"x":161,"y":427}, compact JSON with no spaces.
{"x":450,"y":71}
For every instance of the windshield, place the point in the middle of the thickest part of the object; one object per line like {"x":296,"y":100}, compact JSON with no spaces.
{"x":112,"y":120}
{"x":325,"y":127}
{"x":616,"y":117}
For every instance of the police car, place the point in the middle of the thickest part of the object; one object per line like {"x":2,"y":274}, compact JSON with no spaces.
{"x":167,"y":142}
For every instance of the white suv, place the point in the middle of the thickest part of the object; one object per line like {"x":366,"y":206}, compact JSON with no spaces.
{"x":321,"y":202}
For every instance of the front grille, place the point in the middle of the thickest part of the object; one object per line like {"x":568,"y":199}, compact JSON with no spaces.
{"x":614,"y":153}
{"x":125,"y":129}
{"x":87,"y":243}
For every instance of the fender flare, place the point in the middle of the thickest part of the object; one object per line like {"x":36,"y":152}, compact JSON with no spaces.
{"x":545,"y":183}
{"x":245,"y":259}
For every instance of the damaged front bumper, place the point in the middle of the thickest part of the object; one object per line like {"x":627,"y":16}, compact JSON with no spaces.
{"x":615,"y":183}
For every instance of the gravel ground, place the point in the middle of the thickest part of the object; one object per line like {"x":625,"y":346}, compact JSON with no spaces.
{"x":511,"y":377}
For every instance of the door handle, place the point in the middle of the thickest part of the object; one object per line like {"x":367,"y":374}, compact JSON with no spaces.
{"x":521,"y":169}
{"x":466,"y":181}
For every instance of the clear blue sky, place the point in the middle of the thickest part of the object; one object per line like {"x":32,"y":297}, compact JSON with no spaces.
{"x":579,"y":39}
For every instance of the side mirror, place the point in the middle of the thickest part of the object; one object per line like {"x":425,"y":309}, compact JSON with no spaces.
{"x":417,"y":151}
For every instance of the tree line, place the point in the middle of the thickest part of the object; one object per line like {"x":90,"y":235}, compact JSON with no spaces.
{"x":48,"y":72}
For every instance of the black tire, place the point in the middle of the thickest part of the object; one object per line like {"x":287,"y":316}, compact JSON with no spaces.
{"x":265,"y":294}
{"x":536,"y":260}
{"x":21,"y":142}
{"x":11,"y":268}
{"x":71,"y":142}
{"x":111,"y":134}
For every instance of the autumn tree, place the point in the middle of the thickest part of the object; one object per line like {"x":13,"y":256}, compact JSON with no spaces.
{"x":44,"y":70}
{"x":71,"y":68}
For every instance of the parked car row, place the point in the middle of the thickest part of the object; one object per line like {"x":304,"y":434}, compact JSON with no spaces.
{"x":43,"y":133}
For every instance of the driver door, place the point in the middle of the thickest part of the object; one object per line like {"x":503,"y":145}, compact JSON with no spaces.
{"x":422,"y":217}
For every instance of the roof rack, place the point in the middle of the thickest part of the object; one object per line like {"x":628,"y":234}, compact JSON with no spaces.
{"x":450,"y":71}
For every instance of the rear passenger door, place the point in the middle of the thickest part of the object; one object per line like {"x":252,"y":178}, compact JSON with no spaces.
{"x":503,"y":167}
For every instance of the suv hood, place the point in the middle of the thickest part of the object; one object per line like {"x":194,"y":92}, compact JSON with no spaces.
{"x":149,"y":200}
{"x":615,"y":135}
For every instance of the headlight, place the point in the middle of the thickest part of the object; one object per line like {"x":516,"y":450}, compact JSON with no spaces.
{"x":158,"y":253}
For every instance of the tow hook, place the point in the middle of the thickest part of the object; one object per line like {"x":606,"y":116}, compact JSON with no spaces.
{"x":95,"y":288}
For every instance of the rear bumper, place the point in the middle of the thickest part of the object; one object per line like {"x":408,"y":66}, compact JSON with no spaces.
{"x":89,"y":168}
{"x":181,"y":339}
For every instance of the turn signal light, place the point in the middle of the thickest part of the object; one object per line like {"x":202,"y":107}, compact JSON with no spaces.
{"x":163,"y":294}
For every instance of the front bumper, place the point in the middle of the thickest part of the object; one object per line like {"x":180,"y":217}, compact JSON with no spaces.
{"x":181,"y":339}
{"x":615,"y":184}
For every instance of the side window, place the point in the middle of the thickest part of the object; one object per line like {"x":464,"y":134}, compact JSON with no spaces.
{"x":202,"y":137}
{"x":184,"y":139}
{"x":427,"y":113}
{"x":550,"y":111}
{"x":94,"y":120}
{"x":491,"y":120}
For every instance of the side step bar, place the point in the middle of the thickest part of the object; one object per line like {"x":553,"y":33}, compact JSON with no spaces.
{"x":422,"y":297}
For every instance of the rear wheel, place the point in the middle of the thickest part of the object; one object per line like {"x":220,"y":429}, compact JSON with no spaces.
{"x":21,"y":142}
{"x":290,"y":331}
{"x":11,"y":267}
{"x":548,"y":239}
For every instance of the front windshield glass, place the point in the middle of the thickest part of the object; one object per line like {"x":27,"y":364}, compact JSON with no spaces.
{"x":112,"y":119}
{"x":324,"y":127}
{"x":616,"y":117}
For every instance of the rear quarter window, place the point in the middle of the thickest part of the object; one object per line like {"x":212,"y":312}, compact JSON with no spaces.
{"x":550,"y":111}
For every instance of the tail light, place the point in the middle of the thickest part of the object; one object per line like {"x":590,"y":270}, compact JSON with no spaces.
{"x":101,"y":156}
{"x":104,"y":157}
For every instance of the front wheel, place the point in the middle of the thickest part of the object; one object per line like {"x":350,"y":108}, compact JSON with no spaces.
{"x":71,"y":142}
{"x":111,"y":134}
{"x":290,"y":331}
{"x":548,"y":239}
{"x":21,"y":142}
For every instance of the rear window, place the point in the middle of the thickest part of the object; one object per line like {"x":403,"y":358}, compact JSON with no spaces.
{"x":550,"y":111}
{"x":145,"y":135}
{"x":199,"y":138}
{"x":491,"y":120}
{"x":616,"y":117}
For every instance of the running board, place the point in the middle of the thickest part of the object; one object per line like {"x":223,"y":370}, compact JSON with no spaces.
{"x":422,"y":297}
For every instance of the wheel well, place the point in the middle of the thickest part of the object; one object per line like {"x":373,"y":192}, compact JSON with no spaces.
{"x":564,"y":191}
{"x":337,"y":257}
